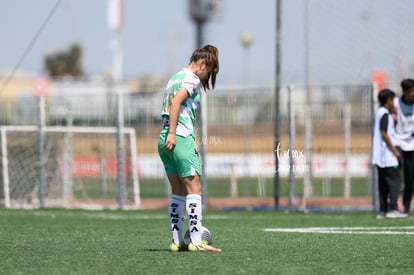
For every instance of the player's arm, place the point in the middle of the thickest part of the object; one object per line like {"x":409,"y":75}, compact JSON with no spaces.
{"x":175,"y":106}
{"x":387,"y":140}
{"x":394,"y":116}
{"x":386,"y":137}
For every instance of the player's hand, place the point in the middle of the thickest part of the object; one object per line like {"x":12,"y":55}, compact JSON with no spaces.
{"x":397,"y":154}
{"x":170,"y":142}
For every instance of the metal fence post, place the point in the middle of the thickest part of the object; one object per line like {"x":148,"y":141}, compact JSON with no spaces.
{"x":291,"y":133}
{"x":347,"y":144}
{"x":41,"y":140}
{"x":120,"y":148}
{"x":374,"y":187}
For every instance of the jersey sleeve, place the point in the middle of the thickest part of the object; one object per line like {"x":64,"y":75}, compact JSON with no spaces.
{"x":190,"y":83}
{"x":384,"y":122}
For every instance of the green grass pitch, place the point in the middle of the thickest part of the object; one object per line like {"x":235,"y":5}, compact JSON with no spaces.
{"x":54,"y":241}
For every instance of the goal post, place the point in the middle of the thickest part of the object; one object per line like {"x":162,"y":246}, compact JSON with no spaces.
{"x":5,"y":168}
{"x":79,"y":163}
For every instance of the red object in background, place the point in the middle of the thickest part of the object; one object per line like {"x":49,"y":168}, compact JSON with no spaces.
{"x":40,"y":86}
{"x":91,"y":167}
{"x":380,"y":78}
{"x":86,"y":167}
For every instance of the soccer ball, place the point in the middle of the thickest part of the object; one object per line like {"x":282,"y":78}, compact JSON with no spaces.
{"x":205,"y":235}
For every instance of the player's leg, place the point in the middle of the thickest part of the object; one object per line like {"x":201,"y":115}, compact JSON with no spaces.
{"x":408,"y":158}
{"x":176,"y":211}
{"x":189,"y":170}
{"x":382,"y":191}
{"x":194,"y":214}
{"x":393,"y":179}
{"x":177,"y":201}
{"x":193,"y":206}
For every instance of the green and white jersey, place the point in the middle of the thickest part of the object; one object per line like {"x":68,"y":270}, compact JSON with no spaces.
{"x":186,"y":119}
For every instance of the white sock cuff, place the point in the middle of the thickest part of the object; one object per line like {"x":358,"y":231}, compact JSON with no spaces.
{"x":179,"y":198}
{"x":194,"y":197}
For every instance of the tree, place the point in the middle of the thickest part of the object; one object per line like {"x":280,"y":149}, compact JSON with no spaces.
{"x":65,"y":62}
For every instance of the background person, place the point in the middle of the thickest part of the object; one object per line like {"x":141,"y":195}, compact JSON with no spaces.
{"x":404,"y":132}
{"x":385,"y":156}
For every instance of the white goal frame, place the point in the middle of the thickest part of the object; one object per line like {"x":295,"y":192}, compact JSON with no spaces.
{"x":69,"y":129}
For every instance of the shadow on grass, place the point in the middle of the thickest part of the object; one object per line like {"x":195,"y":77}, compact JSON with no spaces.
{"x":155,"y":249}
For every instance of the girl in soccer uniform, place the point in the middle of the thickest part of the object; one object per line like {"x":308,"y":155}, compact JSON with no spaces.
{"x":177,"y":147}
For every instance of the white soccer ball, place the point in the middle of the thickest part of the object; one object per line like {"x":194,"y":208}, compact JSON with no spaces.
{"x":205,"y":235}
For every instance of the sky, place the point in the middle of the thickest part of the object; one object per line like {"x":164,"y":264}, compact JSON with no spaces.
{"x":349,"y":39}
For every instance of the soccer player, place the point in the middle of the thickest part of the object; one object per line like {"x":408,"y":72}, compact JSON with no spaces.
{"x":177,"y":147}
{"x":385,"y":156}
{"x":405,"y":136}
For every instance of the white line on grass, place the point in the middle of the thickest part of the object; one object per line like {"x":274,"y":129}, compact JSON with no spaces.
{"x":386,"y":230}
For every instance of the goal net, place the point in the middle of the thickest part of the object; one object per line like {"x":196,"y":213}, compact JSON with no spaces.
{"x":79,"y":168}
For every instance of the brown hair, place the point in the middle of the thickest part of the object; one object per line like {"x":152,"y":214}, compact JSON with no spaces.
{"x":210,"y":54}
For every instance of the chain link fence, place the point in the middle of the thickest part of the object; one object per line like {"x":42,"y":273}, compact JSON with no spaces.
{"x":240,"y":144}
{"x":328,"y":138}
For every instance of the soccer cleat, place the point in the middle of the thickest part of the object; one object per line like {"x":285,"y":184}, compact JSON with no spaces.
{"x":202,"y":246}
{"x":396,"y":215}
{"x":178,"y":247}
{"x":380,"y":216}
